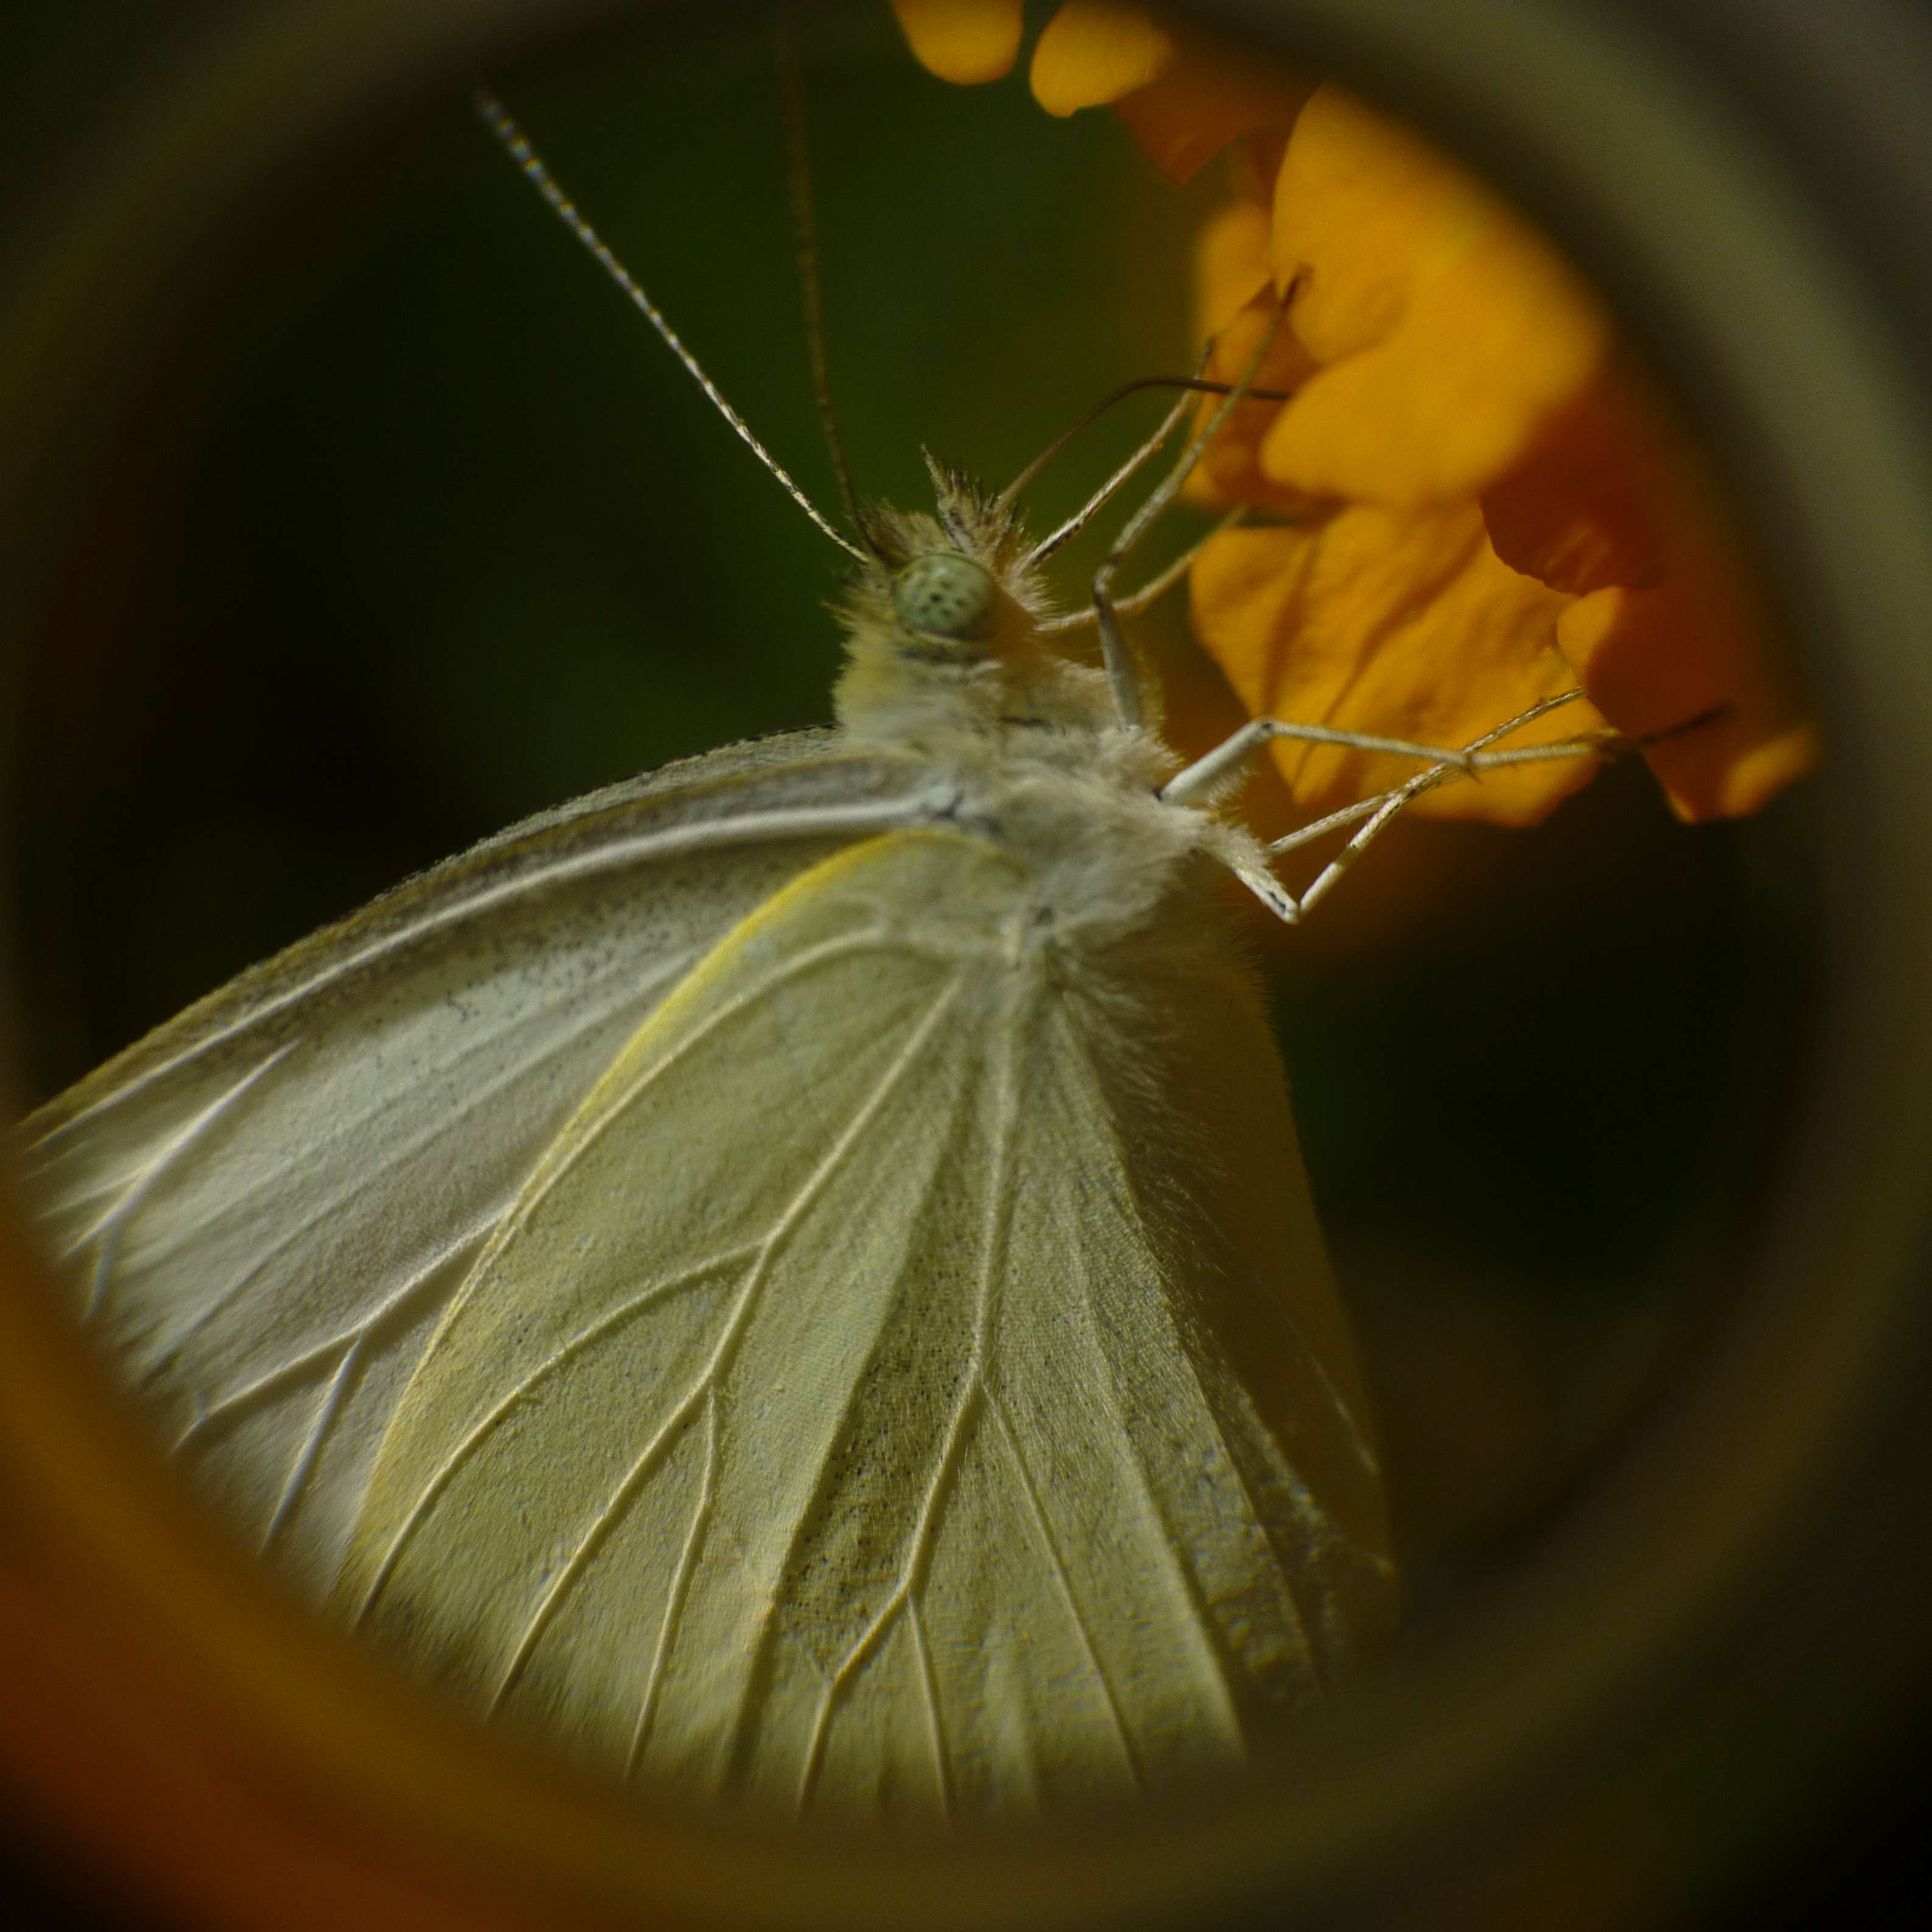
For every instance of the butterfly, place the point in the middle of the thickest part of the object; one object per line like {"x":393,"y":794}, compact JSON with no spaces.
{"x":790,"y":1277}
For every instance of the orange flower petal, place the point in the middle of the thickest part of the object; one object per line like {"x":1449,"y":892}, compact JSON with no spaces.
{"x":1206,"y":98}
{"x":1231,"y":265}
{"x":1255,"y":161}
{"x":1483,"y":491}
{"x":1449,"y":332}
{"x":1403,"y":623}
{"x":1093,"y":52}
{"x":1184,"y":95}
{"x":1582,"y":510}
{"x":965,"y":41}
{"x":1680,"y":660}
{"x":1613,"y":506}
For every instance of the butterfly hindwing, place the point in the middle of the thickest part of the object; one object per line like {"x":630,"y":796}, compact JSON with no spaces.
{"x":869,"y":1401}
{"x":268,"y":1203}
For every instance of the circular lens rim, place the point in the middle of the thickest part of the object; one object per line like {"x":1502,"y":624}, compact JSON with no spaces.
{"x":1733,"y":282}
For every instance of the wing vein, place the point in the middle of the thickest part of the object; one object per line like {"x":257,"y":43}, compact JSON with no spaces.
{"x":311,"y":1449}
{"x":293,"y":1371}
{"x":1213,"y":1633}
{"x":680,"y":1587}
{"x":807,"y":822}
{"x":547,"y":1176}
{"x":559,"y":1357}
{"x":1176,"y":1563}
{"x":1044,"y":1530}
{"x":723,"y":1354}
{"x":960,"y":1429}
{"x":904,"y":1596}
{"x":477,"y":1096}
{"x":928,"y":1684}
{"x":107,"y":1226}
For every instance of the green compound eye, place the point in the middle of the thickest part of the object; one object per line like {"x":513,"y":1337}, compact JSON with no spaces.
{"x":944,"y":594}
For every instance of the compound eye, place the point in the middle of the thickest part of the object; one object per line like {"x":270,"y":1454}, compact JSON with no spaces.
{"x":944,"y":594}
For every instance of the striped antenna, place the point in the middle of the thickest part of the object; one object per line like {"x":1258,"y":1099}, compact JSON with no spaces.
{"x":496,"y":118}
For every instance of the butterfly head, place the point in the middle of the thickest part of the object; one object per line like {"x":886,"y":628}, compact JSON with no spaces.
{"x":945,"y":617}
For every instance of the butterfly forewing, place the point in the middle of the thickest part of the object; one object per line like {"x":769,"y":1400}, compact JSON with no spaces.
{"x":867,"y":1402}
{"x":268,"y":1203}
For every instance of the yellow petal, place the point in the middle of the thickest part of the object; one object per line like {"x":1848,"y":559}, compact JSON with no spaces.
{"x":1093,"y":52}
{"x":965,"y":41}
{"x":1402,"y":623}
{"x":1450,"y":332}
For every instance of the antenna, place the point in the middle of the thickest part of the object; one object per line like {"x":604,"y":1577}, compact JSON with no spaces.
{"x":496,"y":118}
{"x":798,"y":174}
{"x":1007,"y":497}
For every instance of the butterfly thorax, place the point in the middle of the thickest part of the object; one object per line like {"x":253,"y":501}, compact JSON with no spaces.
{"x":948,"y":661}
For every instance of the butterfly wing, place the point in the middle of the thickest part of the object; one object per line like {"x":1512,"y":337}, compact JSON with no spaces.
{"x":911,"y":1382}
{"x":268,"y":1201}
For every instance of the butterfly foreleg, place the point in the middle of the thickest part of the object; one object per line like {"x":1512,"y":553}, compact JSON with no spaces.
{"x":1157,"y":585}
{"x":1148,"y":449}
{"x":1123,"y":673}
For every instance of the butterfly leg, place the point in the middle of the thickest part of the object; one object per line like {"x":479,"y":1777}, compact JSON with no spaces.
{"x":1471,"y":761}
{"x":1206,"y":773}
{"x":1157,"y":585}
{"x":1373,"y":814}
{"x":1289,"y":909}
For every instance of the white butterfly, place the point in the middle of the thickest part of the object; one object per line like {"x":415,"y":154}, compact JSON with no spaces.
{"x":791,"y":1275}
